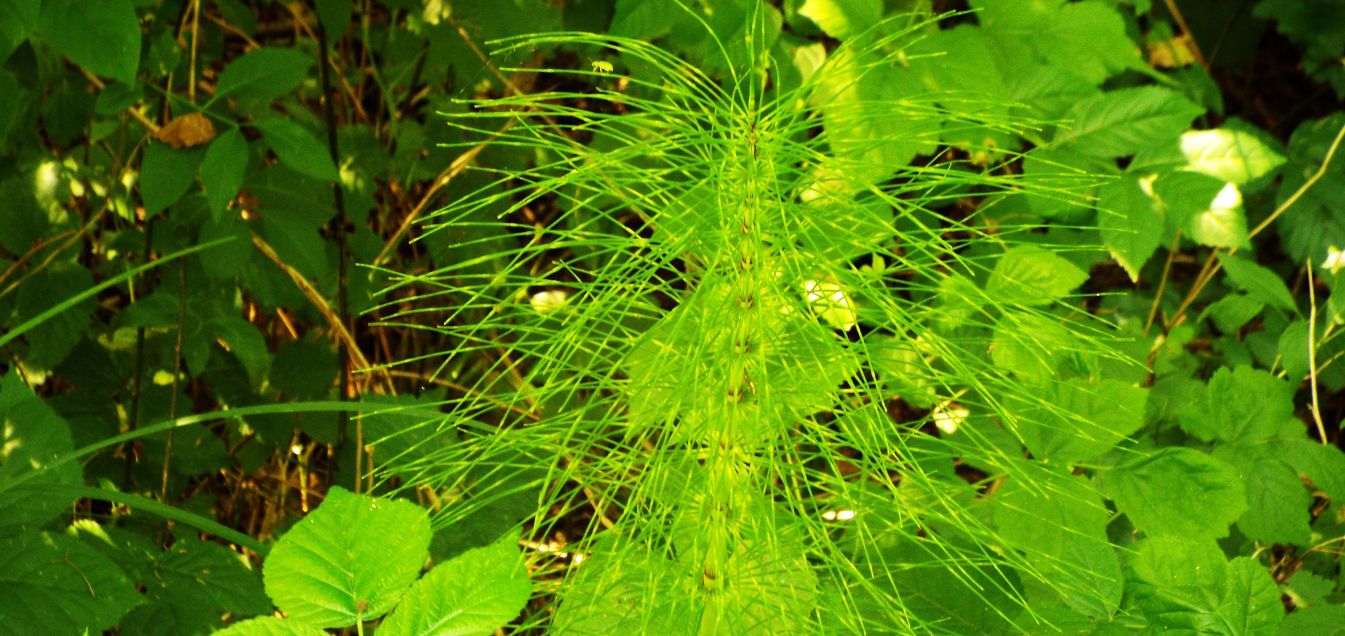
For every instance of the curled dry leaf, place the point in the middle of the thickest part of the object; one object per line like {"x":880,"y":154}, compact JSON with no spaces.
{"x":186,"y":131}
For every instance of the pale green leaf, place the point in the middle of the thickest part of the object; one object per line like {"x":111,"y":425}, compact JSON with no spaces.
{"x":1030,"y":345}
{"x":1030,"y":275}
{"x":102,"y":36}
{"x":1322,"y":464}
{"x":271,"y":626}
{"x":1081,"y":419}
{"x":298,"y":148}
{"x":1233,"y":311}
{"x":349,"y":560}
{"x":264,"y":73}
{"x":1177,"y":491}
{"x":1222,"y":223}
{"x":1229,"y":155}
{"x":166,"y":174}
{"x":1060,"y":522}
{"x":476,"y":592}
{"x":1293,"y":349}
{"x":226,"y":161}
{"x":1128,"y":120}
{"x":842,"y":18}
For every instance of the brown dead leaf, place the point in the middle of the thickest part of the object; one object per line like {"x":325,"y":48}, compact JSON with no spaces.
{"x":186,"y":131}
{"x":1176,"y":52}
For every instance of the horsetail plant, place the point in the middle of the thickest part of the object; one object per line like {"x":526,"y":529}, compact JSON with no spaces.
{"x":772,"y":331}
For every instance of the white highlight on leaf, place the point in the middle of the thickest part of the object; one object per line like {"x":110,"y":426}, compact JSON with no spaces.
{"x":1335,"y":260}
{"x":948,"y":417}
{"x":831,"y":304}
{"x":545,"y":302}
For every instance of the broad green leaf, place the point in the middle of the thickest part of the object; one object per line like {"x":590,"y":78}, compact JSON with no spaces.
{"x":271,"y":626}
{"x":102,"y":36}
{"x":842,"y":18}
{"x":1278,"y":502}
{"x":297,"y":148}
{"x":1241,"y":405}
{"x":166,"y":175}
{"x":1030,"y":275}
{"x":31,"y":436}
{"x":1081,"y":419}
{"x":1228,"y":155}
{"x":57,"y":585}
{"x":1059,"y":522}
{"x":1087,"y":39}
{"x":1186,"y":585}
{"x":476,"y":592}
{"x":226,"y":161}
{"x":1131,"y":220}
{"x":53,"y":339}
{"x":264,"y":73}
{"x":1177,"y":491}
{"x":349,"y":560}
{"x":17,"y":18}
{"x":1259,"y":282}
{"x":1128,"y":120}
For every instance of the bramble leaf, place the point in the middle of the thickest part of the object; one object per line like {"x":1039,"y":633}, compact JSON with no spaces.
{"x":475,"y":592}
{"x":166,"y":175}
{"x":1229,"y":155}
{"x":349,"y":560}
{"x":1159,"y":492}
{"x":1030,"y":275}
{"x":1128,"y":120}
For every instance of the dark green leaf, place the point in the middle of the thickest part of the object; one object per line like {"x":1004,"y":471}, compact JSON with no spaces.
{"x":103,"y":36}
{"x":271,"y":626}
{"x":264,"y":73}
{"x":226,"y":161}
{"x":58,"y":585}
{"x":335,"y":17}
{"x":304,"y":369}
{"x":297,"y":148}
{"x":34,"y":436}
{"x":166,"y":175}
{"x":52,"y":340}
{"x":17,"y":18}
